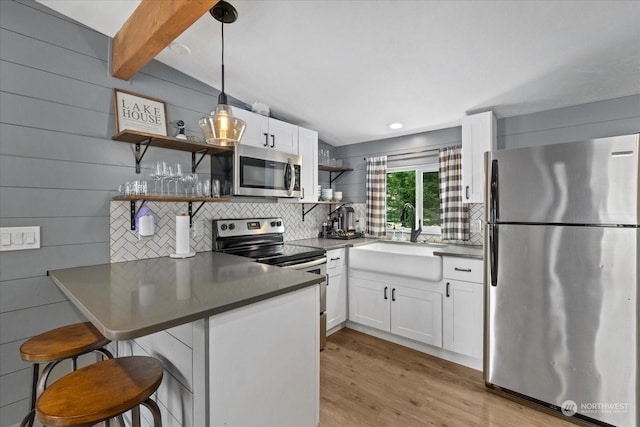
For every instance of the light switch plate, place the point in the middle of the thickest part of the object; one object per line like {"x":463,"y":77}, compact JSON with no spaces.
{"x":19,"y":238}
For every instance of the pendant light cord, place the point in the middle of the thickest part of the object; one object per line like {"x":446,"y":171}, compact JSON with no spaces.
{"x":222,"y":98}
{"x":222,"y":31}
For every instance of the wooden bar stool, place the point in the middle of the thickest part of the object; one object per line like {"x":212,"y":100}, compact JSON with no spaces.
{"x":102,"y":391}
{"x":52,"y":347}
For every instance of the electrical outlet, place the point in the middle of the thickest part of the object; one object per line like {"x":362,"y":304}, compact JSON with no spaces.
{"x":198,"y":228}
{"x":476,"y":226}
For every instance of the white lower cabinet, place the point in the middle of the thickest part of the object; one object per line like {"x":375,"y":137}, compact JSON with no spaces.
{"x":463,"y":306}
{"x":404,"y":311}
{"x":337,"y":288}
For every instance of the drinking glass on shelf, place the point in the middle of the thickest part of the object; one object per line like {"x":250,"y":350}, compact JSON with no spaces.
{"x":215,"y":188}
{"x":167,"y":172}
{"x":206,"y":188}
{"x":198,"y":187}
{"x":177,"y":175}
{"x":156,"y":176}
{"x":186,"y":182}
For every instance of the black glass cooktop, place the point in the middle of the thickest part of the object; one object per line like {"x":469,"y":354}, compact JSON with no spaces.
{"x":279,"y":253}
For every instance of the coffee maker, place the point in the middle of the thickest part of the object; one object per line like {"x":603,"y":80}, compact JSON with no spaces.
{"x":346,"y":219}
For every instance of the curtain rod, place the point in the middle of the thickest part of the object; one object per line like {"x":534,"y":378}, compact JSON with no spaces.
{"x":431,"y":150}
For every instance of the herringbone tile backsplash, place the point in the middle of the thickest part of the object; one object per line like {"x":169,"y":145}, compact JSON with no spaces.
{"x":125,"y":244}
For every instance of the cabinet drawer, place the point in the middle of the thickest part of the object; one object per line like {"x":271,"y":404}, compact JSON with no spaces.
{"x":336,"y":258}
{"x":466,"y":269}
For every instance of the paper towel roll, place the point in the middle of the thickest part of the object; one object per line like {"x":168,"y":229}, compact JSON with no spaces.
{"x":146,"y":225}
{"x":183,"y":243}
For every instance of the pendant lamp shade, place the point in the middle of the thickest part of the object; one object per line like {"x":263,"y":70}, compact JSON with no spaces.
{"x":221,"y":128}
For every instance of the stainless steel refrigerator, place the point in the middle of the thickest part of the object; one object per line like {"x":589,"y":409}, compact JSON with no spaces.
{"x":561,"y":263}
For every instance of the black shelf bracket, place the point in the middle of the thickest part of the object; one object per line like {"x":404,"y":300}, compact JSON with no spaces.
{"x":331,"y":179}
{"x":309,"y":210}
{"x":134,"y":212}
{"x":194,"y":163}
{"x":192,"y":213}
{"x":139,"y":155}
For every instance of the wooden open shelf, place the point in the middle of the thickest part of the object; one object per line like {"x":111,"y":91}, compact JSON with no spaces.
{"x":135,"y":137}
{"x":169,"y":198}
{"x":330,"y":168}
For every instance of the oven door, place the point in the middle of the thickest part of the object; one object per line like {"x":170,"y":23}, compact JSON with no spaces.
{"x":266,"y":172}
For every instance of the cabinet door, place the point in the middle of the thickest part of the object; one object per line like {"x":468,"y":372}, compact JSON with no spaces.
{"x":462,"y":317}
{"x":256,"y":133}
{"x":478,"y":136}
{"x":283,"y":136}
{"x":417,"y":314}
{"x":369,"y":303}
{"x":308,"y":149}
{"x":336,"y":297}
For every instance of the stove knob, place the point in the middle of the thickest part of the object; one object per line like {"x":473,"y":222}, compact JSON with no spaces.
{"x":279,"y":223}
{"x":223,"y":227}
{"x":273,"y":223}
{"x":232,"y":226}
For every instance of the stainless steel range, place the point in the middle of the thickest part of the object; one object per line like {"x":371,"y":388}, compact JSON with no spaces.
{"x":262,"y":239}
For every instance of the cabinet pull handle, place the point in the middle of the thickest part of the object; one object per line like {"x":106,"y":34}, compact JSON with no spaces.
{"x":466,"y":192}
{"x":385,"y":292}
{"x":273,"y":141}
{"x":447,"y":291}
{"x":266,"y":139}
{"x":466,"y":270}
{"x":393,"y":294}
{"x":334,"y":259}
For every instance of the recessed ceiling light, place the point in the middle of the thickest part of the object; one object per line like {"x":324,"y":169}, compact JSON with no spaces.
{"x":395,"y":125}
{"x":179,"y":48}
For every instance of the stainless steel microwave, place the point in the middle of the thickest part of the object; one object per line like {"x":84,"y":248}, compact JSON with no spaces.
{"x":255,"y":171}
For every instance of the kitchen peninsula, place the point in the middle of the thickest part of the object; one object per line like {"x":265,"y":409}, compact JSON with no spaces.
{"x":239,"y":339}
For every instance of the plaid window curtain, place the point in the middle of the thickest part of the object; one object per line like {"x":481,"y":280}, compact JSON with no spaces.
{"x":454,"y":215}
{"x":376,"y":195}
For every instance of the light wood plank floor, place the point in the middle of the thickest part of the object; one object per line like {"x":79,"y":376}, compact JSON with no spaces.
{"x":366,"y":381}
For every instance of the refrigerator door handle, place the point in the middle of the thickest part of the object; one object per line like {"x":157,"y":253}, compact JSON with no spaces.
{"x":494,"y":193}
{"x":493,"y":254}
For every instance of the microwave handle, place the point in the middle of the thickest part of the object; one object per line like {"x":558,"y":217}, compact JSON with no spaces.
{"x":292,"y":177}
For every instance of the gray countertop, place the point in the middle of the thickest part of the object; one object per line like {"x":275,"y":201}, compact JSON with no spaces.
{"x":460,"y":251}
{"x":442,"y":250}
{"x":329,"y":244}
{"x":130,"y":299}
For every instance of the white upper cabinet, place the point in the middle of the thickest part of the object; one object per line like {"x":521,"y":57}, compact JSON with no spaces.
{"x":478,"y":137}
{"x":267,"y":132}
{"x":308,"y":149}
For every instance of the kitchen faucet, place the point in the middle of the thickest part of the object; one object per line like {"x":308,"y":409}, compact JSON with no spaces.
{"x":403,"y":217}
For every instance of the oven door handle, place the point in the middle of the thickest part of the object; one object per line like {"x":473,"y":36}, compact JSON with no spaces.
{"x":296,"y":266}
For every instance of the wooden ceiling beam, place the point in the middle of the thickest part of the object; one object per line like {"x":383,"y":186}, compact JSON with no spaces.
{"x":150,"y":28}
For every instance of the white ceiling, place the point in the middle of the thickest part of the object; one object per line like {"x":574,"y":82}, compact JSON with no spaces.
{"x":349,"y":68}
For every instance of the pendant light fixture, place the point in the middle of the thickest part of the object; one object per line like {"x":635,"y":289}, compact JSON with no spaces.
{"x":221,"y":128}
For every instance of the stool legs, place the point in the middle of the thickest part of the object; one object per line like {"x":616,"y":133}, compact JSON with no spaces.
{"x":39,"y":383}
{"x":153,"y":408}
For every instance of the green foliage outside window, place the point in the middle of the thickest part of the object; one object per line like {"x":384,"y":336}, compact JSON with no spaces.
{"x":430,"y":199}
{"x":401,"y":189}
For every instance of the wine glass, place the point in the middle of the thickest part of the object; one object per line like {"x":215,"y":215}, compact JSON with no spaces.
{"x":187,"y":179}
{"x":171,"y":176}
{"x":178,"y":175}
{"x":156,"y":176}
{"x":166,"y":170}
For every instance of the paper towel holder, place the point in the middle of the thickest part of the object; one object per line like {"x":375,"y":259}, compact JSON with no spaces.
{"x":190,"y":252}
